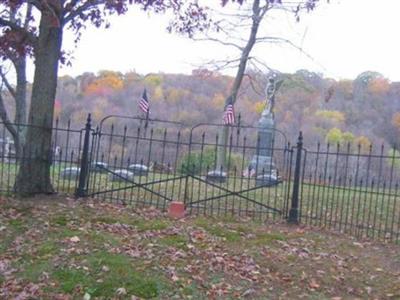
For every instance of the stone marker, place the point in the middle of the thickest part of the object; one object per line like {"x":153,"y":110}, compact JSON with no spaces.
{"x":98,"y":166}
{"x":139,"y":169}
{"x":176,"y":210}
{"x":71,"y":173}
{"x":216,"y":176}
{"x":267,"y":180}
{"x":123,"y":174}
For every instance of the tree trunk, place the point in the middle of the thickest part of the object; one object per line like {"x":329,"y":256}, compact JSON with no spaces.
{"x":20,"y":105}
{"x":17,"y":128}
{"x":34,"y":173}
{"x":224,"y":133}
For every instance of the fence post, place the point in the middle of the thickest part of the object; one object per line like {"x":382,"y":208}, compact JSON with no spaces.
{"x":81,"y":191}
{"x":185,"y":195}
{"x":294,"y":209}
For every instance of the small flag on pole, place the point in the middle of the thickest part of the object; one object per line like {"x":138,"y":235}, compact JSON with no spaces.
{"x":144,"y":103}
{"x":229,"y":112}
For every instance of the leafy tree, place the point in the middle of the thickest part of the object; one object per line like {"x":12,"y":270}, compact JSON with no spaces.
{"x":378,"y":86}
{"x":13,"y":49}
{"x":348,"y":137}
{"x":258,"y":107}
{"x":41,"y":36}
{"x":333,"y":115}
{"x":364,"y":143}
{"x":334,"y":136}
{"x":396,"y":120}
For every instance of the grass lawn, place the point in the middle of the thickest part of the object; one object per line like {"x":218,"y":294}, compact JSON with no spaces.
{"x":58,"y":248}
{"x":361,"y":211}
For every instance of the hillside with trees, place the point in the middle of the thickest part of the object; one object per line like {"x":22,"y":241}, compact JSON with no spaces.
{"x":363,"y":111}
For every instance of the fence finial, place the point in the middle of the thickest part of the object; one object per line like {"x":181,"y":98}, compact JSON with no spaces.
{"x":300,"y":138}
{"x":89,"y":120}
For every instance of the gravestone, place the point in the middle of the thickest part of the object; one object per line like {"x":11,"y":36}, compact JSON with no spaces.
{"x":121,"y":175}
{"x":71,"y":173}
{"x":262,"y":164}
{"x":98,"y":166}
{"x":138,"y":169}
{"x":216,"y":176}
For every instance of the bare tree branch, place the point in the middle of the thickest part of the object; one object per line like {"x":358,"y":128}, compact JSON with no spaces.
{"x":28,"y":16}
{"x":4,"y":116}
{"x":219,"y":42}
{"x":252,"y":85}
{"x":272,"y":39}
{"x":218,"y":65}
{"x":7,"y":84}
{"x":35,"y":3}
{"x":87,"y":5}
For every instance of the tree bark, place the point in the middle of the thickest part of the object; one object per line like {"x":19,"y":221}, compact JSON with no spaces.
{"x":34,"y":173}
{"x":20,"y":105}
{"x":17,"y":128}
{"x":257,"y":16}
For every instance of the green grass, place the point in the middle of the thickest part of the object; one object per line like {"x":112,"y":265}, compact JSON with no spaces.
{"x":121,"y":274}
{"x":47,"y":248}
{"x":65,"y":232}
{"x":157,"y":261}
{"x":176,"y":241}
{"x":94,"y":280}
{"x":105,"y":220}
{"x":320,"y":205}
{"x":100,"y":239}
{"x":266,"y":238}
{"x":227,"y":234}
{"x":32,"y":271}
{"x":352,"y":209}
{"x":69,"y":279}
{"x":16,"y":224}
{"x":60,"y":220}
{"x":146,"y":225}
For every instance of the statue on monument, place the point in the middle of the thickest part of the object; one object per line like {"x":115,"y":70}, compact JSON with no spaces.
{"x":270,"y":91}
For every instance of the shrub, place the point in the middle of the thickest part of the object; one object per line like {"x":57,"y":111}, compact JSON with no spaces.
{"x":202,"y":161}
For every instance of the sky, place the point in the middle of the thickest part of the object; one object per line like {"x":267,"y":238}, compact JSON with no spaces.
{"x":341,"y":40}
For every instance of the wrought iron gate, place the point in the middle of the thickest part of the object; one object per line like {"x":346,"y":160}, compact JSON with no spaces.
{"x":140,"y":161}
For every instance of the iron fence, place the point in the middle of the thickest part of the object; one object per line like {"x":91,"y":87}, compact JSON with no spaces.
{"x":64,"y":157}
{"x":351,"y":189}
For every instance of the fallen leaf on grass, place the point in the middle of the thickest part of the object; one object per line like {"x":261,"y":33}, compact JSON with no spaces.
{"x":121,"y":291}
{"x":86,"y":296}
{"x":105,"y":268}
{"x":313,"y":284}
{"x":75,"y":239}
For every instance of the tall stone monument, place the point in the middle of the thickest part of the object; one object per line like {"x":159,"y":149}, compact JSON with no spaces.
{"x":262,"y":165}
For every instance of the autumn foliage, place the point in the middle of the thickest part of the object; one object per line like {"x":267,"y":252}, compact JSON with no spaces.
{"x":348,"y":117}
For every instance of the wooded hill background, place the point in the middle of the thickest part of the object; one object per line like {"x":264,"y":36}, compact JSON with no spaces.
{"x":361,"y":111}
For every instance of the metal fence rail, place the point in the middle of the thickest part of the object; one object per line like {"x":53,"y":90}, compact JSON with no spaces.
{"x":65,"y":158}
{"x":353,"y":190}
{"x":153,"y":162}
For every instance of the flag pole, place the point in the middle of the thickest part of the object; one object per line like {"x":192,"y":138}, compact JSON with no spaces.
{"x":238,"y":130}
{"x":146,"y":123}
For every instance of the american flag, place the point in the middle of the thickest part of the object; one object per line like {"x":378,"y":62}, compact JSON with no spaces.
{"x":144,"y":103}
{"x":229,"y":112}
